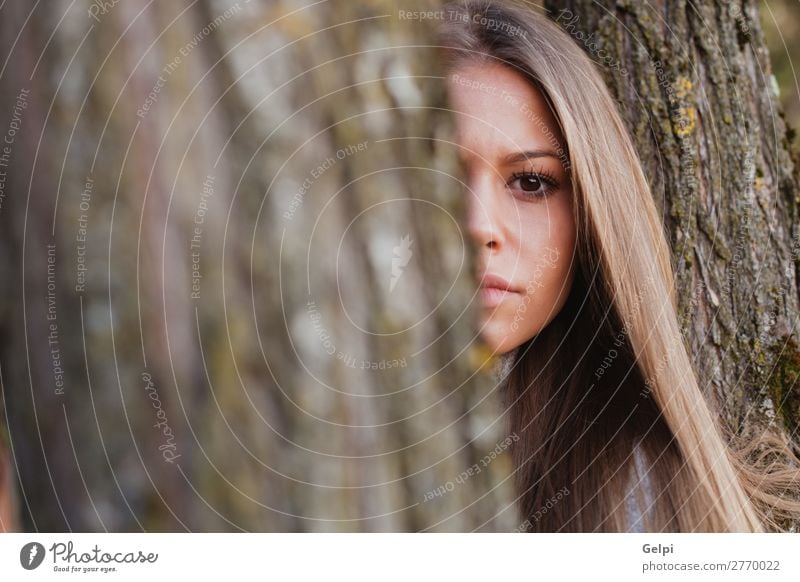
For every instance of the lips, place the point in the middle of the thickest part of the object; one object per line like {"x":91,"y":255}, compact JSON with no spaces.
{"x":495,"y":290}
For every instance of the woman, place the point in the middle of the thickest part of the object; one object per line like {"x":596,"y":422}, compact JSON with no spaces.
{"x":577,"y":291}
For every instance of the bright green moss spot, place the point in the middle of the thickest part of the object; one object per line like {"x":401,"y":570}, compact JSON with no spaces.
{"x":784,"y":389}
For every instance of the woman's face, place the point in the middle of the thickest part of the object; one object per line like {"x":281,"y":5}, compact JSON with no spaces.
{"x":520,"y":201}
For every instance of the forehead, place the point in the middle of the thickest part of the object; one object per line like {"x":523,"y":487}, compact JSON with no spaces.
{"x":495,"y":106}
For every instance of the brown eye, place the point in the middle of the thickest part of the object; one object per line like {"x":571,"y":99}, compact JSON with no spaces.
{"x":532,"y":184}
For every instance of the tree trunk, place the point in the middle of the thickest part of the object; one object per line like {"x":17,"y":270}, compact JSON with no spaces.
{"x":257,"y":283}
{"x":694,"y":84}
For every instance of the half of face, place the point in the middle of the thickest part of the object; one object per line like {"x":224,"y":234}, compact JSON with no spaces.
{"x":520,"y":200}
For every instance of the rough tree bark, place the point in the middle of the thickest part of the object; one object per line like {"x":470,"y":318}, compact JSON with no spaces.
{"x":694,"y":84}
{"x":244,"y":184}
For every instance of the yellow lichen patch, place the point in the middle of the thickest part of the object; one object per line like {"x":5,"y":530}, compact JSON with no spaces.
{"x":481,"y":358}
{"x":685,"y":118}
{"x":294,"y":25}
{"x":683,"y":86}
{"x":685,"y":121}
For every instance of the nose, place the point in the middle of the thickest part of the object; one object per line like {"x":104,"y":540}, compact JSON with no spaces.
{"x":482,"y":222}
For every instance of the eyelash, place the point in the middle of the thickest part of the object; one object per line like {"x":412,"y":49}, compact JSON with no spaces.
{"x":549,"y":184}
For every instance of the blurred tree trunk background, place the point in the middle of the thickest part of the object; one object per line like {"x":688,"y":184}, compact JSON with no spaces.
{"x":694,"y":84}
{"x":235,"y":295}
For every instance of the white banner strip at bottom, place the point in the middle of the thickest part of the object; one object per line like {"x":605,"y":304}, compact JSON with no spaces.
{"x":400,"y":557}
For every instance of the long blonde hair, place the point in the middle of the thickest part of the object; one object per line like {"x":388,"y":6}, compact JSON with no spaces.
{"x":578,"y":429}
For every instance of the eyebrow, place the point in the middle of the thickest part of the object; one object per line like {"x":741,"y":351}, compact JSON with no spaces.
{"x":528,"y":155}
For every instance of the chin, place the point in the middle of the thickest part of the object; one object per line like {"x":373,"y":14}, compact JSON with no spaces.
{"x":498,"y":338}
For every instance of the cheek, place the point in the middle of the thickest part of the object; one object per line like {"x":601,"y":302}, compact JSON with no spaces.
{"x":551,"y":280}
{"x":544,"y":259}
{"x":548,"y":256}
{"x":547,"y":244}
{"x":553,"y":253}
